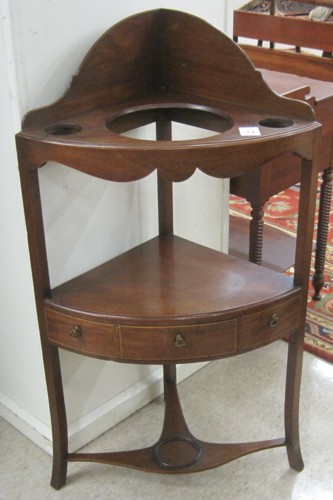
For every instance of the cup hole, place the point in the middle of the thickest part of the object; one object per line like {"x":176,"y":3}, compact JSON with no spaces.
{"x":63,"y":129}
{"x":276,"y":122}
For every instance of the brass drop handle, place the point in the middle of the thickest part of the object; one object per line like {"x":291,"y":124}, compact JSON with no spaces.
{"x":76,"y":332}
{"x":273,"y":321}
{"x":179,"y":340}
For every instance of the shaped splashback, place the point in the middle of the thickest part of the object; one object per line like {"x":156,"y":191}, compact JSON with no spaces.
{"x":164,"y":51}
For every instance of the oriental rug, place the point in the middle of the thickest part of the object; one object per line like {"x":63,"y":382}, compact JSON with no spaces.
{"x":281,"y":212}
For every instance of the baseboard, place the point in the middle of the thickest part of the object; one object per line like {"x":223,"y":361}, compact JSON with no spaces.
{"x":100,"y":420}
{"x":38,"y":432}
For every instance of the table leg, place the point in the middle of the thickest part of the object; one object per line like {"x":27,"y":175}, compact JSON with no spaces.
{"x":323,"y":225}
{"x":256,"y":234}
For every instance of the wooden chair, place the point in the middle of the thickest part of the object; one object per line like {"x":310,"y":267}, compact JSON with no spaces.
{"x":168,"y":300}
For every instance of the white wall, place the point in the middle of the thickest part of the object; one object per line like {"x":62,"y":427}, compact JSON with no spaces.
{"x":42,"y":44}
{"x":229,"y":9}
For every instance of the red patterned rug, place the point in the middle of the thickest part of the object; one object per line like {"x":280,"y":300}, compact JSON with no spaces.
{"x":281,"y":212}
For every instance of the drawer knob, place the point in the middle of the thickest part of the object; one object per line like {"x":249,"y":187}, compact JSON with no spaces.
{"x":179,"y":340}
{"x":273,"y":321}
{"x":76,"y":332}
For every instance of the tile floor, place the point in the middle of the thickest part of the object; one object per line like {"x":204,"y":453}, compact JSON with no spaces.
{"x":239,"y":398}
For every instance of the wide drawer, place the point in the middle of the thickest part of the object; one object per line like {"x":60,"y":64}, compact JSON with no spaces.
{"x":268,"y":324}
{"x":142,"y":344}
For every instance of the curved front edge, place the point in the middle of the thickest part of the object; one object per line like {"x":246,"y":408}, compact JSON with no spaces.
{"x":179,"y":343}
{"x":175,"y":161}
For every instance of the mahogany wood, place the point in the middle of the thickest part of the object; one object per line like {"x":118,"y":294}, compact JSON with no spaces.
{"x":168,"y":300}
{"x":297,"y":75}
{"x":164,"y":187}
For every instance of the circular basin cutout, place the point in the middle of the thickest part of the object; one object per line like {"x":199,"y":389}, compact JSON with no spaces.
{"x":63,"y":129}
{"x":276,"y":122}
{"x":205,"y":118}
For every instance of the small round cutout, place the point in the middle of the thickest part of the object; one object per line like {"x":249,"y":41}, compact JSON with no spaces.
{"x":276,"y":122}
{"x":63,"y":129}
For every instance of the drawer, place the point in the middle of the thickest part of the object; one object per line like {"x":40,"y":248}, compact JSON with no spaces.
{"x":192,"y":342}
{"x":269,"y":324}
{"x":82,"y":336}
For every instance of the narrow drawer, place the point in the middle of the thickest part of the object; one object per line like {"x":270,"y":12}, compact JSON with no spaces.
{"x":269,"y":324}
{"x":82,"y":336}
{"x":193,"y":342}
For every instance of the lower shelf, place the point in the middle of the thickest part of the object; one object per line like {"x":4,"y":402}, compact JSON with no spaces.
{"x":171,"y":300}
